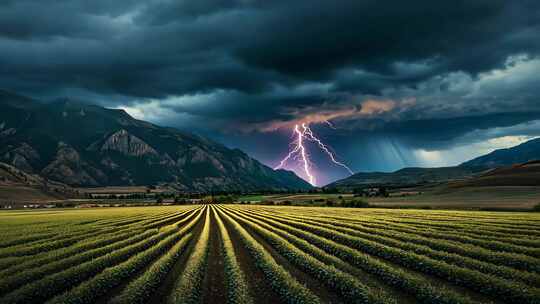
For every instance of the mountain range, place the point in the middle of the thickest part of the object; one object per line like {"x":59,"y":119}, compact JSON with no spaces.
{"x":84,"y":145}
{"x":73,"y":143}
{"x":520,"y":156}
{"x":525,"y":152}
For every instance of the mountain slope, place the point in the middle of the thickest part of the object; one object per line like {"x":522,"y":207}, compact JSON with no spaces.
{"x":526,"y":174}
{"x":19,"y":186}
{"x":474,"y":168}
{"x":87,"y":145}
{"x":405,"y":177}
{"x":522,"y":153}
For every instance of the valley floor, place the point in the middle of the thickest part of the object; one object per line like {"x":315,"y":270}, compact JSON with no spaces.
{"x":268,"y":254}
{"x":496,"y":197}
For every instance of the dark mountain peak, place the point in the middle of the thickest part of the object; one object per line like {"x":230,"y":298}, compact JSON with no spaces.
{"x":68,"y":102}
{"x":405,"y":177}
{"x":81,"y":144}
{"x":68,"y":167}
{"x":124,"y":142}
{"x":17,"y":101}
{"x":527,"y":153}
{"x":70,"y":105}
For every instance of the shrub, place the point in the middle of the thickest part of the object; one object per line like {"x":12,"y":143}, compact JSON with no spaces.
{"x":355,"y":204}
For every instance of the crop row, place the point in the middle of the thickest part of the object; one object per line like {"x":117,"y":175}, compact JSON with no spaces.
{"x":396,"y":239}
{"x":494,"y":222}
{"x":91,"y":290}
{"x":188,"y":288}
{"x":58,"y":282}
{"x":18,"y":263}
{"x":395,"y":217}
{"x":237,"y":287}
{"x":465,"y":216}
{"x":168,"y":220}
{"x":393,"y":276}
{"x":142,"y":288}
{"x":130,"y":219}
{"x":469,"y":227}
{"x":67,"y":239}
{"x":24,"y":278}
{"x":24,"y":239}
{"x":345,"y":284}
{"x":463,"y":256}
{"x":499,"y":244}
{"x":57,"y":255}
{"x":279,"y":278}
{"x":429,"y":224}
{"x":46,"y":245}
{"x":487,"y":284}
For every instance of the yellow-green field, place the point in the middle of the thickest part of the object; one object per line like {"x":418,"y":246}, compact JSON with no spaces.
{"x":268,"y":254}
{"x":508,"y":198}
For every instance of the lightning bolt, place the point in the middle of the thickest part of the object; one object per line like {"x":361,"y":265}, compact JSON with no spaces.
{"x":291,"y":154}
{"x":303,"y":155}
{"x":310,"y":136}
{"x":299,"y":151}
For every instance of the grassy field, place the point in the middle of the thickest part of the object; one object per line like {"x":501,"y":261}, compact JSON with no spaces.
{"x":268,"y":254}
{"x":510,"y":198}
{"x":500,"y":197}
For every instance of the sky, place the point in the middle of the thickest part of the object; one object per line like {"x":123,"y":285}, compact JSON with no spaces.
{"x":385,"y":84}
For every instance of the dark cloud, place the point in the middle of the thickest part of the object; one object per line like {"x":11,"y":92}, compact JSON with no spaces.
{"x":310,"y":38}
{"x":47,"y":19}
{"x":170,"y":11}
{"x":433,"y":71}
{"x":177,"y":47}
{"x":427,"y":133}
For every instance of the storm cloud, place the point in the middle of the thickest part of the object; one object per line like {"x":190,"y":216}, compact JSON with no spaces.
{"x":422,"y":76}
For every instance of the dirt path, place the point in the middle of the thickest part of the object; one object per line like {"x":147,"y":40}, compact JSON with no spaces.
{"x":118,"y":289}
{"x":163,"y":292}
{"x":366,"y":278}
{"x":214,"y":281}
{"x":403,"y":297}
{"x":258,"y":286}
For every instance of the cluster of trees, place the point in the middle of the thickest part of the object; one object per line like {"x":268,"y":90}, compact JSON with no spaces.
{"x":340,"y":202}
{"x":219,"y":195}
{"x":213,"y":199}
{"x":261,"y":192}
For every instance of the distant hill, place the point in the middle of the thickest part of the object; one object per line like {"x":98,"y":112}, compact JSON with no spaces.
{"x":407,"y":177}
{"x":472,"y":169}
{"x":86,"y":145}
{"x":519,"y":154}
{"x":17,"y":185}
{"x":526,"y":174}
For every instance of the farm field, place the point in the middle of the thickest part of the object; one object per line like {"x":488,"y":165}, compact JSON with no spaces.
{"x":501,"y":197}
{"x":514,"y":198}
{"x":268,"y":254}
